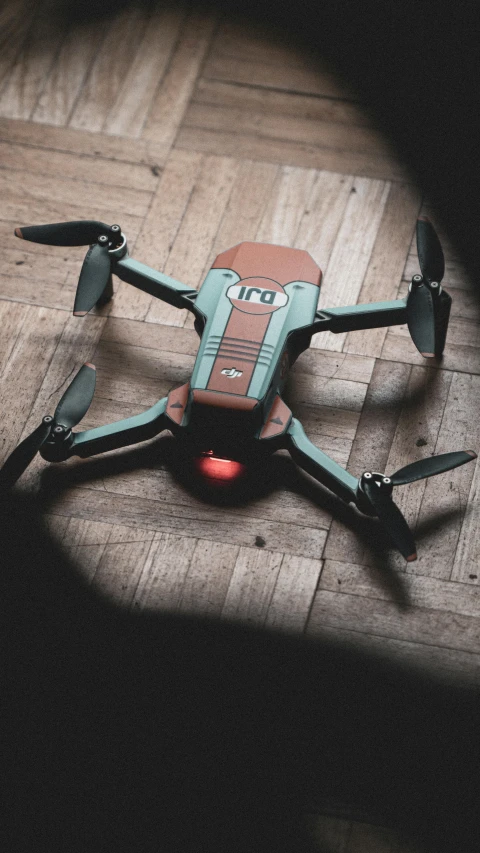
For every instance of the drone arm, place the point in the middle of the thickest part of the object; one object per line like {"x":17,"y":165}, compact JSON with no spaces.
{"x":118,"y":434}
{"x":319,"y":465}
{"x":355,"y":317}
{"x":155,"y":283}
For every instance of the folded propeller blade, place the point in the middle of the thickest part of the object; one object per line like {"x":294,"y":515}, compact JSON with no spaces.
{"x":93,"y":279}
{"x":421,"y":319}
{"x":69,"y":412}
{"x":81,"y":233}
{"x":430,"y":254}
{"x":393,"y":520}
{"x":77,"y":398}
{"x":21,"y":457}
{"x":420,"y":305}
{"x":430,"y":466}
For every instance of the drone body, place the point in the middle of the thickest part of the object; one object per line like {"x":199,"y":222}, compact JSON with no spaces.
{"x":255,"y":313}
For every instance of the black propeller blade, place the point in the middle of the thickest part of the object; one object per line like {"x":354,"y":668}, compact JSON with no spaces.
{"x":71,"y":409}
{"x":81,"y":233}
{"x":420,"y":303}
{"x":378,"y":491}
{"x":389,"y":513}
{"x":21,"y":457}
{"x":430,"y":254}
{"x":93,"y":279}
{"x":76,"y":400}
{"x":421,"y":319}
{"x":430,"y":466}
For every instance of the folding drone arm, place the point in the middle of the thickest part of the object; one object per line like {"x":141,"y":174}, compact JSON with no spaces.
{"x":122,"y":433}
{"x":355,"y":317}
{"x":155,"y":283}
{"x":319,"y":465}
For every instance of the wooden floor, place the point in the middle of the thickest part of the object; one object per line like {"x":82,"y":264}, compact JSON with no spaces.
{"x":195,"y":135}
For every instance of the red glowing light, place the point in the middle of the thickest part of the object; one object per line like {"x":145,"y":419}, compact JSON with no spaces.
{"x":217,"y":468}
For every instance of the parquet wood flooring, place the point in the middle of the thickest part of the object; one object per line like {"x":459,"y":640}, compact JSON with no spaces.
{"x":198,"y":136}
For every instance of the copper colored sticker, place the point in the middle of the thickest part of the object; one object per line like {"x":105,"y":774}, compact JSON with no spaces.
{"x":224,"y":401}
{"x":279,"y":263}
{"x":278,"y":419}
{"x":177,"y":400}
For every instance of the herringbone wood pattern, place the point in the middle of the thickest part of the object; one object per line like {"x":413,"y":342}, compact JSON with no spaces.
{"x":195,"y":135}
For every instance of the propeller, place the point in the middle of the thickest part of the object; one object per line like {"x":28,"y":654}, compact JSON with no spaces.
{"x":81,"y":233}
{"x":425,"y":288}
{"x":71,"y":409}
{"x":378,"y":490}
{"x":94,"y":277}
{"x":96,"y":269}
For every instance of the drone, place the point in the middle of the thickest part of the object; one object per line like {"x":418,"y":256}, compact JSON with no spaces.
{"x":255,"y":313}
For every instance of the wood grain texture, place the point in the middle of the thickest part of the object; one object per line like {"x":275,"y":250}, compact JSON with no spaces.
{"x":26,"y":78}
{"x":195,"y":137}
{"x":351,"y":253}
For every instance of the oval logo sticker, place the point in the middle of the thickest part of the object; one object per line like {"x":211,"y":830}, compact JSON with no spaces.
{"x":257,"y":295}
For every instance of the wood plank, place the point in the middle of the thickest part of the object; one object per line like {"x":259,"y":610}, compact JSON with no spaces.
{"x":446,"y":497}
{"x":12,"y":318}
{"x":208,"y":578}
{"x":430,"y":593}
{"x":160,"y":228}
{"x":129,"y":111}
{"x":275,"y":102}
{"x":169,"y":105}
{"x":250,"y":193}
{"x":25,"y":81}
{"x":69,"y":70}
{"x":337,"y":393}
{"x":351,"y":253}
{"x":457,"y":356}
{"x":290,"y":75}
{"x":336,"y":422}
{"x":44,"y":293}
{"x":25,"y":368}
{"x":252,"y":585}
{"x":13,"y":29}
{"x":334,"y":365}
{"x":384,"y":271}
{"x":438,"y":628}
{"x":50,"y":192}
{"x":467,"y":557}
{"x":117,"y":573}
{"x":194,"y":239}
{"x":293,"y":593}
{"x":203,"y":523}
{"x":84,"y":543}
{"x":286,"y":206}
{"x":82,"y":166}
{"x":379,"y":418}
{"x":134,"y":333}
{"x":323,"y":215}
{"x":289,"y":128}
{"x":164,"y":572}
{"x":74,"y":141}
{"x":112,"y":63}
{"x":249,"y":146}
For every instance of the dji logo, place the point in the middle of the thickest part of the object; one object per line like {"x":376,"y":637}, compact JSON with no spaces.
{"x":231,"y":372}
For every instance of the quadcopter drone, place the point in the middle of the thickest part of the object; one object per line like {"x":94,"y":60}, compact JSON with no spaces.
{"x":255,"y":314}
